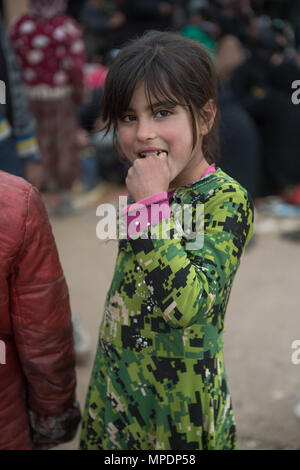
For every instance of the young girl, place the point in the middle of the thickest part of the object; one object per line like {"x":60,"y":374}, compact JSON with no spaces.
{"x":159,"y":380}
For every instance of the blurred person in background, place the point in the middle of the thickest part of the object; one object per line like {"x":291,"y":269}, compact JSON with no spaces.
{"x":98,"y":156}
{"x":101,"y":21}
{"x":38,"y":408}
{"x":50,"y":49}
{"x":262,"y":84}
{"x":143,"y":15}
{"x":202,"y":25}
{"x":233,"y":17}
{"x":272,"y":8}
{"x":19,"y":153}
{"x":74,"y":8}
{"x":294,"y":16}
{"x":257,"y":65}
{"x":240,"y":142}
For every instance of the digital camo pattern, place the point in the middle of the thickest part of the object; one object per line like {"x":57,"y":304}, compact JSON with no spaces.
{"x":159,"y":379}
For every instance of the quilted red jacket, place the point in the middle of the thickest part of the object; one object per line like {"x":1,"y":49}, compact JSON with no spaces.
{"x":37,"y":361}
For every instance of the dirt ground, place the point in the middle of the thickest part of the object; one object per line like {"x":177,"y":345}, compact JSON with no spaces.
{"x":262,"y":320}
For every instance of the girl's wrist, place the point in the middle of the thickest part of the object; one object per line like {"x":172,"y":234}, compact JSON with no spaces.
{"x":146,"y":202}
{"x":143,"y":196}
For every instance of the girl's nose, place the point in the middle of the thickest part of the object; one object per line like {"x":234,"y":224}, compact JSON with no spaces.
{"x":145,"y":130}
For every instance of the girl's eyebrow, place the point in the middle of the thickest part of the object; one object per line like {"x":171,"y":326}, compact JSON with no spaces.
{"x":158,"y":104}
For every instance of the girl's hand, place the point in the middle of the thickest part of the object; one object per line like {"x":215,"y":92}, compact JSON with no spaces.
{"x":148,"y":176}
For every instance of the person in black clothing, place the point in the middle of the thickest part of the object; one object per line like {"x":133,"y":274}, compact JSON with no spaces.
{"x":74,"y":7}
{"x":271,"y":8}
{"x":101,"y":21}
{"x":143,"y":15}
{"x":294,"y":16}
{"x":233,"y":19}
{"x":263,"y":86}
{"x":240,"y":143}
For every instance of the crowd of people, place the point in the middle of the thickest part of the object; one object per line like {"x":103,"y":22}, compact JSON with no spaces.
{"x":64,"y":50}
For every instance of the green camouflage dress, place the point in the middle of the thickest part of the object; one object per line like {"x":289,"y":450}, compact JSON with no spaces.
{"x":159,"y":381}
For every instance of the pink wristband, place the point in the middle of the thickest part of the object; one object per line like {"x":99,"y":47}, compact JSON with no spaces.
{"x":146,"y":212}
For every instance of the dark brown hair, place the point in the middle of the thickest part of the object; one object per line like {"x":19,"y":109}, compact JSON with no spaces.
{"x":174,"y":69}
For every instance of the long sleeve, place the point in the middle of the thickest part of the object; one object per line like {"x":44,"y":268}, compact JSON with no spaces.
{"x":185,"y":284}
{"x":41,"y":315}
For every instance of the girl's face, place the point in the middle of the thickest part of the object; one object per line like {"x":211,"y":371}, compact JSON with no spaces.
{"x":168,"y":129}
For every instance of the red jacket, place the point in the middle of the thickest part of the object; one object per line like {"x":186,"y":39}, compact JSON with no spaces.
{"x":37,"y":361}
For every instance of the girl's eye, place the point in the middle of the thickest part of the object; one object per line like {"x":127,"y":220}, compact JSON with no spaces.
{"x":127,"y":118}
{"x":163,"y":113}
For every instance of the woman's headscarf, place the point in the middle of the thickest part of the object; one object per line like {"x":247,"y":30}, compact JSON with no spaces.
{"x":47,"y":8}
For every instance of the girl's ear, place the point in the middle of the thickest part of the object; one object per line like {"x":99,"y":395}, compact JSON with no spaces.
{"x":208,"y":113}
